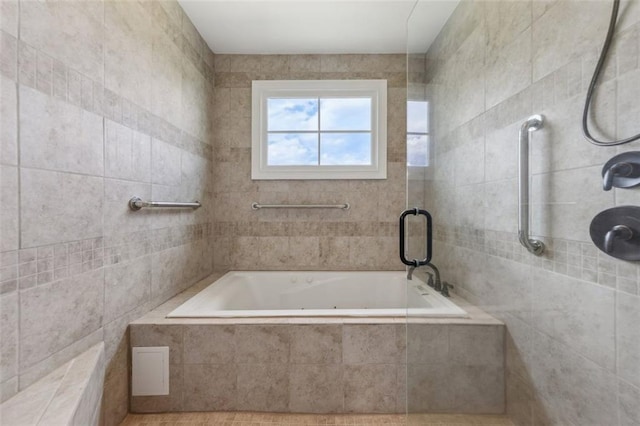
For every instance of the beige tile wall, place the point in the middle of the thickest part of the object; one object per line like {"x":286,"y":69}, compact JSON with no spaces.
{"x":361,"y":238}
{"x":572,"y":314}
{"x":100,"y":101}
{"x":327,"y":368}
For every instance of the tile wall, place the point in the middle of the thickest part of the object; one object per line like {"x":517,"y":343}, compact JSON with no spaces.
{"x":100,"y":101}
{"x":572,"y":314}
{"x":365,"y":237}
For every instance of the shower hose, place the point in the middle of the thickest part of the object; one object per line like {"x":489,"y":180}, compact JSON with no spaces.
{"x":594,"y":81}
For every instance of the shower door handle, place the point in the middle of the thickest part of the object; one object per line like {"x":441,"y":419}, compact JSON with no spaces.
{"x":403,"y":257}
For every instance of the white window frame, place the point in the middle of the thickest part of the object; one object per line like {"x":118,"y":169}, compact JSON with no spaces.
{"x":262,"y":90}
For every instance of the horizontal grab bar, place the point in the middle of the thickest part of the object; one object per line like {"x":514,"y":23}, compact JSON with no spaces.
{"x":136,"y":204}
{"x":256,"y":206}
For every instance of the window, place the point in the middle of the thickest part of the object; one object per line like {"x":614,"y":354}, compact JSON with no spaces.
{"x":417,"y":134}
{"x":319,"y":129}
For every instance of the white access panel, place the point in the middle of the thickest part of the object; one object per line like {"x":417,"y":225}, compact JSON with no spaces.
{"x":150,"y":370}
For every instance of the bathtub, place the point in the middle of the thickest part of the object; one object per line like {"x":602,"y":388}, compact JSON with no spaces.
{"x":317,"y":294}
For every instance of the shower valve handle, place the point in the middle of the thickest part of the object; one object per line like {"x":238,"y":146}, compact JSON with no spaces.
{"x":622,"y":171}
{"x":621,"y":232}
{"x":617,"y":170}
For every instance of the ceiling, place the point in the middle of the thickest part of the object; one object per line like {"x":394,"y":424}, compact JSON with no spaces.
{"x":317,"y":26}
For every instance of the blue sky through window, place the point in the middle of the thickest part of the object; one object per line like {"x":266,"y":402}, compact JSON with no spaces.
{"x":288,"y":118}
{"x":292,"y":149}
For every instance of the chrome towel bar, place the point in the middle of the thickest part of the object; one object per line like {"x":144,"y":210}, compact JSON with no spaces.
{"x":136,"y":204}
{"x":256,"y":206}
{"x":533,"y":123}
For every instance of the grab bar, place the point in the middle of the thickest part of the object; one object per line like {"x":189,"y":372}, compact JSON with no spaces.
{"x":533,"y":123}
{"x":136,"y":204}
{"x":256,"y":206}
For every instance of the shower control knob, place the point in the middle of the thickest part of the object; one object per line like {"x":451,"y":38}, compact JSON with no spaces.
{"x":616,"y":232}
{"x":621,"y":232}
{"x":622,"y":171}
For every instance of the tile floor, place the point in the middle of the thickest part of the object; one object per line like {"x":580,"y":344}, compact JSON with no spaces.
{"x":267,"y":419}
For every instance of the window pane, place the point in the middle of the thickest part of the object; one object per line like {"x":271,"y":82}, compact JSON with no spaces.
{"x":344,"y":149}
{"x":418,"y":150}
{"x":292,"y":149}
{"x":292,"y":114}
{"x":417,"y":117}
{"x":345,"y":114}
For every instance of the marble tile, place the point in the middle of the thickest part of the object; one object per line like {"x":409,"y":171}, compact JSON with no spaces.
{"x":41,"y":369}
{"x":561,"y":145}
{"x":151,"y":335}
{"x":127,"y":153}
{"x":519,"y":400}
{"x":127,"y":45}
{"x":262,"y":344}
{"x":9,"y":17}
{"x":316,"y":344}
{"x":555,"y":370}
{"x":628,"y":337}
{"x":126,"y":286}
{"x":69,"y":207}
{"x":427,"y":343}
{"x":369,"y":388}
{"x":206,"y":344}
{"x":555,"y":44}
{"x":478,"y":389}
{"x":8,"y":389}
{"x":200,"y":395}
{"x":628,"y":404}
{"x":167,"y":270}
{"x":27,"y":407}
{"x":509,"y":70}
{"x":8,"y":121}
{"x":9,"y":208}
{"x":166,"y":79}
{"x":476,"y":345}
{"x":195,"y":108}
{"x":165,"y":163}
{"x":577,"y":313}
{"x":115,"y":405}
{"x":9,"y":333}
{"x":46,"y":26}
{"x":371,"y":344}
{"x":79,"y":391}
{"x":263,"y":387}
{"x":58,"y":314}
{"x":429,"y":388}
{"x":316,"y":388}
{"x":59,"y":136}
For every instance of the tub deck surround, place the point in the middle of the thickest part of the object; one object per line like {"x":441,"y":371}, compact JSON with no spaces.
{"x":325,"y":364}
{"x":316,"y":294}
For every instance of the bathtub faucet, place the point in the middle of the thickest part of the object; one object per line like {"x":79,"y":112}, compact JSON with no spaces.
{"x":410,"y":272}
{"x":437,"y":286}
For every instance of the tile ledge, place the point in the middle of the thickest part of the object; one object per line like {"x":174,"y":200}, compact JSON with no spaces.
{"x":57,"y":397}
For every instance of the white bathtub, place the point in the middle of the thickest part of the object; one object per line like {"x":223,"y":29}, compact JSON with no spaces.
{"x":310,"y":293}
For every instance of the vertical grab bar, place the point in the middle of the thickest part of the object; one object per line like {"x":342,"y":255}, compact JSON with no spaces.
{"x":533,"y":123}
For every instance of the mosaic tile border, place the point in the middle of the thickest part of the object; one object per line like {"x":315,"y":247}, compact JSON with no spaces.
{"x":576,"y":259}
{"x":26,"y":268}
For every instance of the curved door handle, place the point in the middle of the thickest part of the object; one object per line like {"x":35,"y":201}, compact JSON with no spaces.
{"x":415,"y":262}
